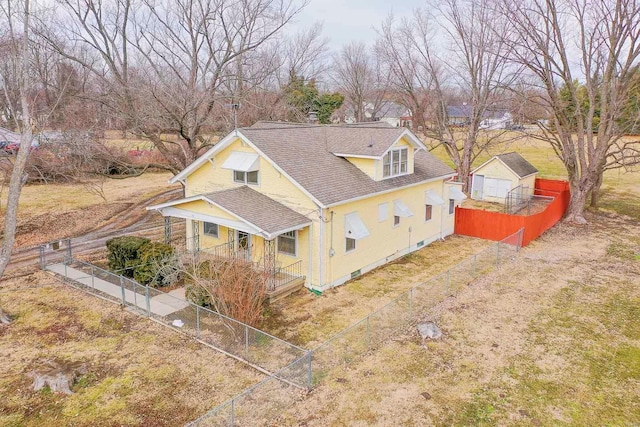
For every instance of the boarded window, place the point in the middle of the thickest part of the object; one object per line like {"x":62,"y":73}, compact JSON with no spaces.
{"x":383,"y":212}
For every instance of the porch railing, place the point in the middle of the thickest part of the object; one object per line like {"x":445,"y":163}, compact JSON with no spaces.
{"x":285,"y":275}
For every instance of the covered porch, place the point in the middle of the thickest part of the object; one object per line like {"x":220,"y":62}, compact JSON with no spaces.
{"x":242,"y":223}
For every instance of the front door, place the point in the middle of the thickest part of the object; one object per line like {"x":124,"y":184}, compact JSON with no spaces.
{"x":243,"y":243}
{"x":478,"y":185}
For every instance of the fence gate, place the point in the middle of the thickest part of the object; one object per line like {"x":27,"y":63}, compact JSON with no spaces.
{"x":55,"y":252}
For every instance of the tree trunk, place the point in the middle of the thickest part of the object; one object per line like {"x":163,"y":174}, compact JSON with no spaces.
{"x":595,"y":193}
{"x":577,"y":204}
{"x":18,"y":177}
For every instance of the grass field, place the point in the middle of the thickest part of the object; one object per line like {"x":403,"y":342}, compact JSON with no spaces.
{"x":139,"y":372}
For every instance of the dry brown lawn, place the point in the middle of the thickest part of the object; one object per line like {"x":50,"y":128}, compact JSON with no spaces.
{"x":140,"y":373}
{"x":307,"y":320}
{"x":551,"y":339}
{"x":55,"y":211}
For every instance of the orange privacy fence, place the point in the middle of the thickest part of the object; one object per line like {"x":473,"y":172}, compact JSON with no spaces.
{"x":496,"y":225}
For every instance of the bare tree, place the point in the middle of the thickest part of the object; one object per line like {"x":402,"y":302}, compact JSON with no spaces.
{"x":232,"y":287}
{"x":408,"y":78}
{"x":358,"y":75}
{"x":561,"y":41}
{"x":163,"y":67}
{"x":16,"y":13}
{"x":473,"y":63}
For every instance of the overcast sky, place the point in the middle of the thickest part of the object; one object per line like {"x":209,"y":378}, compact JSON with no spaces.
{"x":347,"y":20}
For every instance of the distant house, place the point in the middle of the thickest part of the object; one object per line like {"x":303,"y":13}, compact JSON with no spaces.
{"x":397,"y":115}
{"x":315,"y":204}
{"x":492,"y":180}
{"x":460,"y":115}
{"x":495,"y":120}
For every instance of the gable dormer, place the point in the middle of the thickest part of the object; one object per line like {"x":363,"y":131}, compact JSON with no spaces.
{"x":383,"y":158}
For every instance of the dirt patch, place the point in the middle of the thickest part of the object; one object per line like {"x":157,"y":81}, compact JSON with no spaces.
{"x":137,"y":373}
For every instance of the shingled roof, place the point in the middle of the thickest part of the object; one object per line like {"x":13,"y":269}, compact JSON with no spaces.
{"x":257,"y":209}
{"x":307,"y":153}
{"x":518,"y":164}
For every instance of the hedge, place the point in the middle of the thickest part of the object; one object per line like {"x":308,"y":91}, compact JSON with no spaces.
{"x":123,"y":253}
{"x":156,"y":265}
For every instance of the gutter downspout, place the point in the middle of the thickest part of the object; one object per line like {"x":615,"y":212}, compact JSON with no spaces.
{"x":321,"y":269}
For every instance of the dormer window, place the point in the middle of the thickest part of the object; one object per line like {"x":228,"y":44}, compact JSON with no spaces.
{"x":395,"y":162}
{"x":246,"y":177}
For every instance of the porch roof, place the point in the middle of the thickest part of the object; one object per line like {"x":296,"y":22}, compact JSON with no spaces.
{"x":261,"y":214}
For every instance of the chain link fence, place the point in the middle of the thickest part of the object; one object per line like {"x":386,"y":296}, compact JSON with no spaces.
{"x":246,"y":343}
{"x":267,"y":399}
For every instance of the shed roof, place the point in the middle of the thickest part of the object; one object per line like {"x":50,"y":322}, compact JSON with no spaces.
{"x":518,"y":164}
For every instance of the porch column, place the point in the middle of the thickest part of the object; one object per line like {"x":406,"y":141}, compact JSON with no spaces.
{"x":270,"y":262}
{"x":231,"y":239}
{"x":195,"y":244}
{"x":167,"y":230}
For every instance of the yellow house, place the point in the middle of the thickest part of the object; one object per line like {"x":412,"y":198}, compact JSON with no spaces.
{"x":495,"y":178}
{"x":318,"y":203}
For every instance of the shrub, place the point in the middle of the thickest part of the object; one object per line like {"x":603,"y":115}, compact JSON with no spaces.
{"x":157,"y":265}
{"x":123,"y":253}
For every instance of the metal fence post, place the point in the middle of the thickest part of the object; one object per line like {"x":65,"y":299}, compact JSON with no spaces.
{"x":124,"y":300}
{"x":246,"y":342}
{"x":135,"y":295}
{"x":65,"y":268}
{"x":69,"y":248}
{"x":198,"y":321}
{"x":497,"y":254}
{"x":93,"y":277}
{"x":446,"y":292}
{"x":42,"y":262}
{"x":232,"y":413}
{"x":146,"y":291}
{"x":310,"y":371}
{"x":368,"y":334}
{"x":475,"y":270}
{"x":411,"y":302}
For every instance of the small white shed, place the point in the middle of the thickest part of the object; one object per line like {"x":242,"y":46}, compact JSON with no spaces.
{"x":493,"y":179}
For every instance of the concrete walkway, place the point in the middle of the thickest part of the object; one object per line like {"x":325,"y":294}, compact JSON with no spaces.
{"x":161,"y":305}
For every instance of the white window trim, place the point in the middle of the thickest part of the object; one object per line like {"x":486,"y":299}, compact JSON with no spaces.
{"x":295,"y":245}
{"x":425,"y":212}
{"x":451,"y":211}
{"x":390,"y":153}
{"x":355,"y":245}
{"x":217,"y":235}
{"x":233,"y":176}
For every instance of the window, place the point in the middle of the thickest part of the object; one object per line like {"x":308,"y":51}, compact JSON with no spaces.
{"x":383,"y":212}
{"x":246,"y":177}
{"x":428,"y":211}
{"x":395,"y":162}
{"x":287,"y":243}
{"x":396,"y":220}
{"x":452,"y":206}
{"x":350,"y":244}
{"x":210,"y":229}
